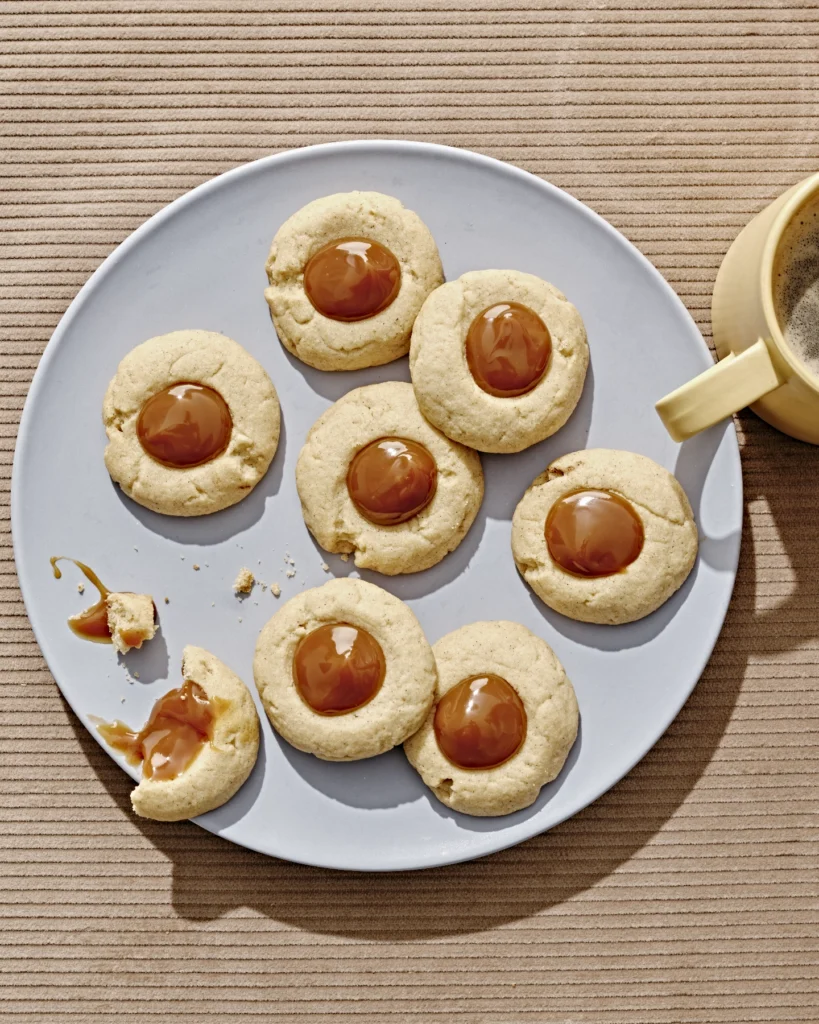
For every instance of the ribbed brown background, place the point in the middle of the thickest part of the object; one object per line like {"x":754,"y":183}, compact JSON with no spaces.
{"x":686,"y":894}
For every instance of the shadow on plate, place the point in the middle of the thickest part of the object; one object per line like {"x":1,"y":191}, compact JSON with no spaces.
{"x":507,"y":477}
{"x":219,"y":526}
{"x":234,"y":810}
{"x":385,"y":781}
{"x":151,"y":661}
{"x":337,"y":383}
{"x":415,"y":584}
{"x":618,"y":638}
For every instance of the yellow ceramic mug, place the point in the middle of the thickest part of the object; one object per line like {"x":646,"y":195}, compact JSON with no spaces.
{"x":756,"y":367}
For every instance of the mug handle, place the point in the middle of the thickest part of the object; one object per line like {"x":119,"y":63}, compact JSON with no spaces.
{"x":730,"y":385}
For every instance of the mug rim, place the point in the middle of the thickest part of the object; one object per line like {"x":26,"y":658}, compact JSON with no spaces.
{"x":801,"y":193}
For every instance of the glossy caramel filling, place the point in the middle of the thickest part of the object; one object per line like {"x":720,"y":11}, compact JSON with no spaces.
{"x":391,"y":480}
{"x":352,"y":279}
{"x":179,"y":726}
{"x":594,"y":533}
{"x":480,"y":722}
{"x":184,"y":425}
{"x":338,"y":668}
{"x":508,"y":348}
{"x":92,"y":623}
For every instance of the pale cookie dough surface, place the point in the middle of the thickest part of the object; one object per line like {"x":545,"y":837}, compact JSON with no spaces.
{"x":362,"y":416}
{"x":197,"y":357}
{"x":131,"y":620}
{"x":445,"y":388}
{"x":222,"y":765}
{"x":531,"y":668}
{"x":393,"y":714}
{"x":331,"y":344}
{"x":667,"y":557}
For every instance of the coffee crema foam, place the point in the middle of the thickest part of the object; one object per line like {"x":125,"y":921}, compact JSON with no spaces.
{"x":796,"y":285}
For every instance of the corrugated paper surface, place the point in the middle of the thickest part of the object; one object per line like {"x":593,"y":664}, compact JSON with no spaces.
{"x":686,"y":894}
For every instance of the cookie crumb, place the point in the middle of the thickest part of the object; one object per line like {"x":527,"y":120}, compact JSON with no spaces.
{"x":244,"y":581}
{"x":196,"y":567}
{"x":213,"y":604}
{"x":344,"y":556}
{"x":182,"y":557}
{"x":325,"y":566}
{"x":131,"y":620}
{"x":167,"y":600}
{"x":122,"y":700}
{"x":240,"y":618}
{"x":275,"y":589}
{"x":136,"y":675}
{"x":290,"y":573}
{"x":81,"y":588}
{"x":136,"y":548}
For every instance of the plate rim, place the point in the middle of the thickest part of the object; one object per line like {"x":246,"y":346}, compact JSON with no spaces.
{"x":493,"y":842}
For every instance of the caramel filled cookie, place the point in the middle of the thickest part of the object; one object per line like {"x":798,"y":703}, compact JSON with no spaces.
{"x":344,"y":671}
{"x":348,"y":274}
{"x":498,"y":359}
{"x":504,"y":720}
{"x":604,"y":536}
{"x":377,"y":480}
{"x":192,"y":422}
{"x":198,"y":746}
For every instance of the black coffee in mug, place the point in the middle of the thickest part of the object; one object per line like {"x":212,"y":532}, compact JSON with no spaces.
{"x":796,"y":285}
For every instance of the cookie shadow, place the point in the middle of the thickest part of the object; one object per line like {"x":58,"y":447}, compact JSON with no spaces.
{"x":473,"y":824}
{"x":239,"y":805}
{"x":218,"y":526}
{"x":376,"y":782}
{"x":619,"y":638}
{"x":416,"y":584}
{"x":335,"y":384}
{"x":503,"y":473}
{"x":149,"y":662}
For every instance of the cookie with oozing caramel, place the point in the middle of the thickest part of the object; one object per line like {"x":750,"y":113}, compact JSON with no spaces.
{"x":504,"y":720}
{"x":378,"y":481}
{"x":604,"y":536}
{"x":192,"y":421}
{"x":347,"y":275}
{"x":198,"y":746}
{"x":498,"y":359}
{"x":344,"y":671}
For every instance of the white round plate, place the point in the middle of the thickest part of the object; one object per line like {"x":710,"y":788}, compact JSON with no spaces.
{"x":199,"y":263}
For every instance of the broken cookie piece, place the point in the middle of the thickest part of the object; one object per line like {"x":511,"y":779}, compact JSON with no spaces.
{"x":131,"y":620}
{"x":198,"y":746}
{"x":244,"y":581}
{"x":122,"y":618}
